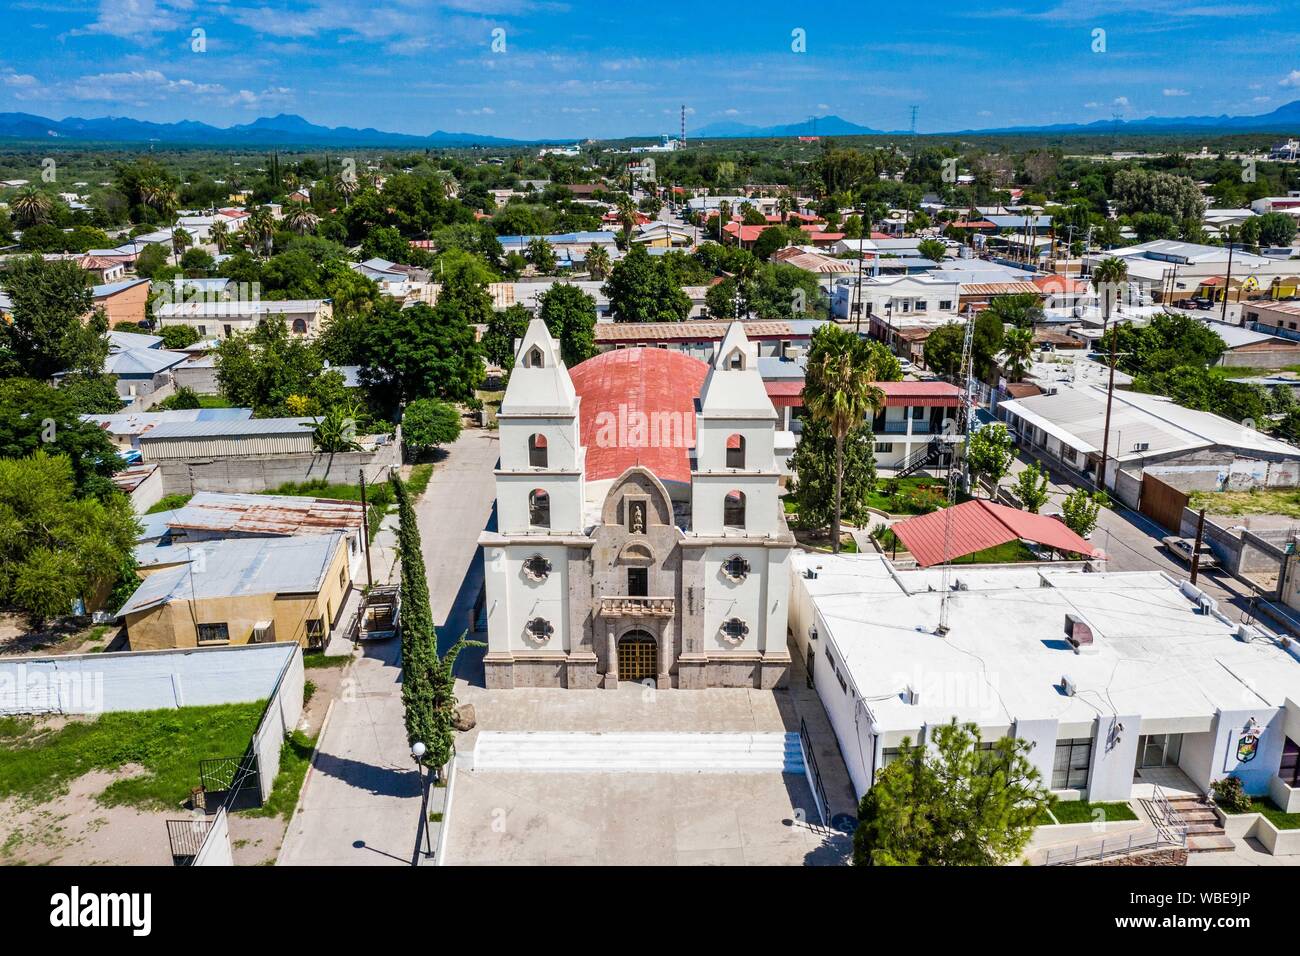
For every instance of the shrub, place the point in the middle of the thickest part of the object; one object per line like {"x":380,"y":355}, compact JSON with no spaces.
{"x":1231,"y":795}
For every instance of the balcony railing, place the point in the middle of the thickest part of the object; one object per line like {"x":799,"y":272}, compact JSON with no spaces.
{"x":627,"y":606}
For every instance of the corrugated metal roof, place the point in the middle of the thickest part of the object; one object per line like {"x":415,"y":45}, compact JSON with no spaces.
{"x":266,"y":514}
{"x":663,"y":331}
{"x":223,"y":429}
{"x":978,"y":524}
{"x":237,"y":567}
{"x":940,"y":394}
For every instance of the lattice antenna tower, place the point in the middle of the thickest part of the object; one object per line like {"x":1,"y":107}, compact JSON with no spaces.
{"x":963,"y":426}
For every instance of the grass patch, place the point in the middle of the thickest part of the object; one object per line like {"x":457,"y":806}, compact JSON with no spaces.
{"x":1044,"y":818}
{"x":168,"y":743}
{"x":435,"y":818}
{"x":1271,"y":812}
{"x":1254,"y":502}
{"x":419,"y":480}
{"x":913,"y":495}
{"x":215,"y":401}
{"x":170,"y":503}
{"x":1081,"y":811}
{"x":313,"y":660}
{"x":11,"y":727}
{"x":295,"y":758}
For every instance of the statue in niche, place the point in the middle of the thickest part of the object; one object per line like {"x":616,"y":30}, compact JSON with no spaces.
{"x":636,"y":517}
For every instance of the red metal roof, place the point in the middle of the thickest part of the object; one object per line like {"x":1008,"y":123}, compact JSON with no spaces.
{"x":638,"y":408}
{"x":978,"y":524}
{"x":785,"y":392}
{"x":940,"y":394}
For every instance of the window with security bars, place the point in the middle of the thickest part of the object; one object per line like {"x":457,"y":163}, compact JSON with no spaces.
{"x":1070,"y":766}
{"x":214,"y":633}
{"x":736,"y":568}
{"x":736,"y":629}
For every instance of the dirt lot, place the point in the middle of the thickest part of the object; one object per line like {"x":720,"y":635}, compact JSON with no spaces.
{"x":75,"y":829}
{"x":68,"y":637}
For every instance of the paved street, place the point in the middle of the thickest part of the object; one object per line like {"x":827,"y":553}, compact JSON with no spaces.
{"x":1132,"y":542}
{"x":361,"y":801}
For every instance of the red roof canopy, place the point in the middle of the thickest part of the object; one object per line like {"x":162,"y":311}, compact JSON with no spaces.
{"x":941,"y":394}
{"x":978,"y":524}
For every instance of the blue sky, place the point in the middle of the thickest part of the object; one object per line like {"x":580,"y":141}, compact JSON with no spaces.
{"x":580,"y":68}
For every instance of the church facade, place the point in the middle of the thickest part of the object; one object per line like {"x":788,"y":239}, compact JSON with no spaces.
{"x":640,"y":531}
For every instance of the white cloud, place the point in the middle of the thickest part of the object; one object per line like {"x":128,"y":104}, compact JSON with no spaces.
{"x":1174,"y":91}
{"x":1291,"y":79}
{"x":136,"y":19}
{"x":1121,"y":102}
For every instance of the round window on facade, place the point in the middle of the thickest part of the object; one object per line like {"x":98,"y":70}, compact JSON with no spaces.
{"x":537,"y":568}
{"x":539,"y":629}
{"x":734,"y":631}
{"x":736,"y":568}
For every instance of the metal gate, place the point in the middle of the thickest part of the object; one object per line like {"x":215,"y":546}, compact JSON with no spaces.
{"x":1162,"y":503}
{"x":637,"y":656}
{"x":232,"y":782}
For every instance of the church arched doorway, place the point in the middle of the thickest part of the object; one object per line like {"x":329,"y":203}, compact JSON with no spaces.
{"x":637,"y":656}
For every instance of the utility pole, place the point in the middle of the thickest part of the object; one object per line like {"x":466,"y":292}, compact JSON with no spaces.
{"x":1227,"y":281}
{"x":963,"y":424}
{"x":365,"y":529}
{"x":1196,"y":549}
{"x":1110,"y":395}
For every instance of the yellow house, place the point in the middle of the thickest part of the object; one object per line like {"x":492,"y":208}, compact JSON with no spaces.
{"x":241,"y":591}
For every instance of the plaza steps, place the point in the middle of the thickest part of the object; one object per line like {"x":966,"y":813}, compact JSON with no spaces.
{"x":1204,"y":832}
{"x":576,"y":752}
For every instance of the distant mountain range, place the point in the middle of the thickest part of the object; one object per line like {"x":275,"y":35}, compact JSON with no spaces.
{"x":1283,"y":119}
{"x":282,"y":130}
{"x":287,"y":130}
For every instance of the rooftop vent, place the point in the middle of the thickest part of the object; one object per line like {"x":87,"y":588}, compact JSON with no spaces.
{"x":1067,"y":686}
{"x":1078,"y":633}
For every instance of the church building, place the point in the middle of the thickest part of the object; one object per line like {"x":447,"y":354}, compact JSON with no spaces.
{"x":640,"y":530}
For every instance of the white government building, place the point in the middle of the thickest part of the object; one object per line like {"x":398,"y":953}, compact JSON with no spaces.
{"x":1120,"y":681}
{"x":640,"y":533}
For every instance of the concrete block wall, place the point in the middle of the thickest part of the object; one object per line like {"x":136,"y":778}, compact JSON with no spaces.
{"x":264,"y":473}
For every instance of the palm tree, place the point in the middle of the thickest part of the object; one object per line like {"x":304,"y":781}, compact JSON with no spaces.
{"x":1111,"y":273}
{"x":220,"y":235}
{"x":840,"y":391}
{"x":260,"y":229}
{"x":180,"y":242}
{"x":347,"y":185}
{"x":300,"y":218}
{"x":783,"y":207}
{"x":31,"y":206}
{"x":160,"y":197}
{"x":626,"y":213}
{"x":1019,"y":346}
{"x":598,"y":262}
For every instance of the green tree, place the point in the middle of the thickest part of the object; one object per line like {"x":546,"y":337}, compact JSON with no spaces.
{"x":953,"y":803}
{"x":840,"y":390}
{"x":503,"y":330}
{"x":943,"y":349}
{"x":1109,"y":280}
{"x":1019,"y":347}
{"x":640,"y":289}
{"x":31,"y":207}
{"x":1080,"y":509}
{"x":933,"y":249}
{"x":988,"y":452}
{"x":178,"y":336}
{"x":542,"y":255}
{"x":570,"y":317}
{"x":337,"y":429}
{"x":1276,"y":229}
{"x":54,"y":329}
{"x":428,"y":683}
{"x":54,"y":546}
{"x":813,"y":464}
{"x":597,"y":262}
{"x":424,"y":352}
{"x":35,"y":416}
{"x":428,"y":423}
{"x":263,"y":369}
{"x":1031,"y":488}
{"x":1023,"y":310}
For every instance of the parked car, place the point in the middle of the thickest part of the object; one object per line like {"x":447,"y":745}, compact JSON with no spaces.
{"x":1182,"y":548}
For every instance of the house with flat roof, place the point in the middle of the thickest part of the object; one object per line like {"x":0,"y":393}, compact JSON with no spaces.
{"x":257,"y":590}
{"x":124,"y":301}
{"x":223,"y":318}
{"x":1119,"y":682}
{"x":1066,"y":428}
{"x":917,"y":426}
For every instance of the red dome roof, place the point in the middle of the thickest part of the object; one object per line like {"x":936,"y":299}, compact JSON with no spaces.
{"x":638,"y":408}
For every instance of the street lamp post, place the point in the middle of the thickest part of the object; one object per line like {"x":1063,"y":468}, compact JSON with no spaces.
{"x":418,"y":751}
